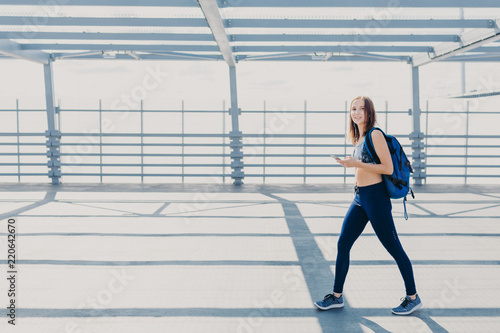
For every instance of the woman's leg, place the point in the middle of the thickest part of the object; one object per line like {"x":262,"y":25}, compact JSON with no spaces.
{"x":354,"y":224}
{"x":378,"y":208}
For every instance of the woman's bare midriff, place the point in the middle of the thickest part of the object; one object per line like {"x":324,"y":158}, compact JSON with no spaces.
{"x":365,"y":178}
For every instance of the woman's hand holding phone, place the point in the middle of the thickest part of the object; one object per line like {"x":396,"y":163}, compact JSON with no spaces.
{"x":335,"y":157}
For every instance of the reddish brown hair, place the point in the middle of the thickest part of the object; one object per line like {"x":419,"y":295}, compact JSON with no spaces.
{"x":370,"y":119}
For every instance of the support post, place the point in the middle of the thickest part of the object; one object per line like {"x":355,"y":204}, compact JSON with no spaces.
{"x":418,"y":154}
{"x":18,"y":144}
{"x":100,"y":141}
{"x":52,"y":134}
{"x":183,"y":132}
{"x":235,"y":136}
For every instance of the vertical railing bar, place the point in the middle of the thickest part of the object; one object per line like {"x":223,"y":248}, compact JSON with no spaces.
{"x":59,"y":121}
{"x":182,"y":139}
{"x":18,"y":144}
{"x":264,"y":145}
{"x":100,"y":140}
{"x":58,"y":117}
{"x":426,"y":131}
{"x":466,"y":144}
{"x":223,"y":141}
{"x":305,"y":139}
{"x":142,"y":141}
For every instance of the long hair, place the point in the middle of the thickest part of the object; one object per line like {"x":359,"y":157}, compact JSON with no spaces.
{"x":370,"y":120}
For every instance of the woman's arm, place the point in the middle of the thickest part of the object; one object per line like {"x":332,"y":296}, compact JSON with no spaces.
{"x":385,"y":167}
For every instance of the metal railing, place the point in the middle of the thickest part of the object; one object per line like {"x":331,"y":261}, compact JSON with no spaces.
{"x":475,"y":165}
{"x":100,"y":154}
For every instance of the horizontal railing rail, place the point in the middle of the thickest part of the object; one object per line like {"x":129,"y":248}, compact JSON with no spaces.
{"x":302,"y":158}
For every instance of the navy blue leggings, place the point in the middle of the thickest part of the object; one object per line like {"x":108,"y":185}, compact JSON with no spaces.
{"x":371,"y":203}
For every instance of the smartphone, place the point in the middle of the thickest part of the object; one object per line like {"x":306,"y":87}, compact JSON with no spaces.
{"x":335,"y":156}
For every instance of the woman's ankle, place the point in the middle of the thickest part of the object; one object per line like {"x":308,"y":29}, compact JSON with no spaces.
{"x":337,"y":294}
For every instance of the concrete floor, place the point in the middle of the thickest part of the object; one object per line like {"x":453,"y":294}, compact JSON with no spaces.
{"x":219,"y":258}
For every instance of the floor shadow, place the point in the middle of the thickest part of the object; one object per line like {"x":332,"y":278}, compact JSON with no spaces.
{"x":315,"y":268}
{"x":49,"y":197}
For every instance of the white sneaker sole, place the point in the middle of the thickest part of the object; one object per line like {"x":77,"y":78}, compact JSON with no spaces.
{"x":409,"y":312}
{"x":333,"y":306}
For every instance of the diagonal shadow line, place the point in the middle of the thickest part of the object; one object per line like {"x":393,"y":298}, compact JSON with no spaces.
{"x":489,"y":195}
{"x":431,"y":323}
{"x":103,"y":208}
{"x":219,"y":208}
{"x":159,"y":210}
{"x":344,"y":205}
{"x":424,"y":209}
{"x":373,"y":326}
{"x":157,"y":213}
{"x":473,"y":210}
{"x":135,"y":214}
{"x":315,"y":267}
{"x":49,"y":197}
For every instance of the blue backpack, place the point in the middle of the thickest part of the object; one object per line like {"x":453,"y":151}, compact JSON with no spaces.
{"x":397,"y":184}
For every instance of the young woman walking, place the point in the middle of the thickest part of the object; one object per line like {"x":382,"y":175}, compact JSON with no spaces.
{"x":371,"y":203}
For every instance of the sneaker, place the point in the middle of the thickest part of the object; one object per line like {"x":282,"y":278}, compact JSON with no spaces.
{"x":408,"y":306}
{"x":330,"y":302}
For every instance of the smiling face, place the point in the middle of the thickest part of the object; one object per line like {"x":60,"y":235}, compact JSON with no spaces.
{"x":363,"y":118}
{"x":358,"y":113}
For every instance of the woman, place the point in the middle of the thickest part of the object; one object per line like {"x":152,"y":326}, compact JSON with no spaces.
{"x":371,"y":203}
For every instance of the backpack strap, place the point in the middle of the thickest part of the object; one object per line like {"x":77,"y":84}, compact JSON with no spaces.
{"x":399,"y":183}
{"x":369,"y":144}
{"x":405,"y":213}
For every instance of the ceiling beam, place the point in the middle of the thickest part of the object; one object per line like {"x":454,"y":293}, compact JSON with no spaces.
{"x":333,"y":48}
{"x":15,"y":50}
{"x":273,"y":3}
{"x":234,"y":38}
{"x":26,"y":21}
{"x":121,"y":47}
{"x":235,"y":49}
{"x":142,"y":56}
{"x":361,"y":24}
{"x":214,"y":19}
{"x":323,"y":57}
{"x":240,"y":49}
{"x":311,"y":58}
{"x":290,"y":57}
{"x":358,"y":38}
{"x":363,"y":3}
{"x":76,"y":55}
{"x":106,"y":36}
{"x":114,"y":3}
